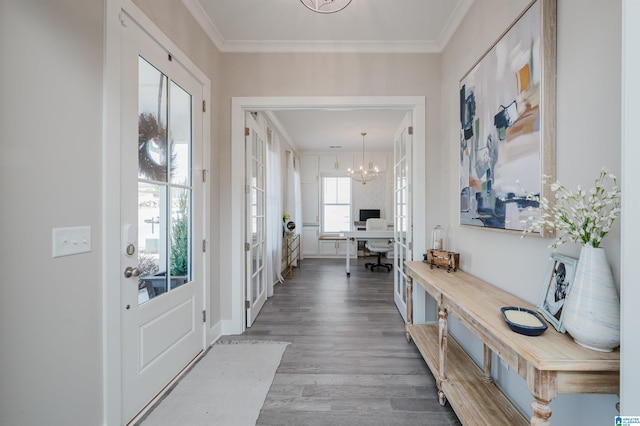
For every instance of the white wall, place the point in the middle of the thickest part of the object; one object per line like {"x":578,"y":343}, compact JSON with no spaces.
{"x":288,"y":75}
{"x":588,"y":137}
{"x":630,"y":291}
{"x":50,"y":174}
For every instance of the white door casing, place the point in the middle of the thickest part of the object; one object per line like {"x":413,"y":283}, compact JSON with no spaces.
{"x":160,"y":334}
{"x":232,"y":281}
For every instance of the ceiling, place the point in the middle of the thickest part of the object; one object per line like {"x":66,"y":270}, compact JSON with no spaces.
{"x":415,"y":26}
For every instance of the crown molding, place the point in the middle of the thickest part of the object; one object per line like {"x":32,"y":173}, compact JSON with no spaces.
{"x":454,"y":22}
{"x":294,"y":46}
{"x":273,"y":46}
{"x":200,"y":15}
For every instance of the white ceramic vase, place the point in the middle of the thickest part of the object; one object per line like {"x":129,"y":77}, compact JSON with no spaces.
{"x":592,"y":306}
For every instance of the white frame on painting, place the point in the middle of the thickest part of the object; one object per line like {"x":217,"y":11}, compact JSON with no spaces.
{"x":507,"y":124}
{"x":557,"y":284}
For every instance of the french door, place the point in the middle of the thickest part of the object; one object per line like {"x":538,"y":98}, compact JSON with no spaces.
{"x":255,"y":217}
{"x":161,"y":188}
{"x":403,"y":229}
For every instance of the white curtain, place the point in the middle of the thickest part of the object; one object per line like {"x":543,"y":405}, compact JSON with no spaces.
{"x":293,"y":196}
{"x":274,"y":213}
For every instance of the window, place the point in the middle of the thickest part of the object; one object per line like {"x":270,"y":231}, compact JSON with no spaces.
{"x":336,"y":204}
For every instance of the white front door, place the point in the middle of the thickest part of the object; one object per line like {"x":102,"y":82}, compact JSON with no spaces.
{"x":161,"y":219}
{"x":255,"y":223}
{"x":403,"y":229}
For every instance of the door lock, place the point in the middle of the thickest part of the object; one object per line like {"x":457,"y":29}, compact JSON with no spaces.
{"x":131,"y":272}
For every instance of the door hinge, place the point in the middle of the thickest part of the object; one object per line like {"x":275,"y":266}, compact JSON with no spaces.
{"x":247,"y":246}
{"x":410,"y":130}
{"x":247,"y":189}
{"x":410,"y":245}
{"x":170,"y":57}
{"x":204,"y":316}
{"x":204,"y":106}
{"x":247,"y":304}
{"x":247,"y":132}
{"x":204,"y":246}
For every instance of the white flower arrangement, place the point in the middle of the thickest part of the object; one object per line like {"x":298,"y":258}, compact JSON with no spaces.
{"x":285,"y":217}
{"x":583,"y":217}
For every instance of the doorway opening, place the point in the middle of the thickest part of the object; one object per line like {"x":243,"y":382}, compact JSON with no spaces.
{"x":234,"y":257}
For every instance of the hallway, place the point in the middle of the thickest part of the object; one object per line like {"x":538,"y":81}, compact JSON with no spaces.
{"x":348,"y":362}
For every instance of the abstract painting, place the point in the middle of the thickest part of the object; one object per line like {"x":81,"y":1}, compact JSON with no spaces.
{"x":507,"y":123}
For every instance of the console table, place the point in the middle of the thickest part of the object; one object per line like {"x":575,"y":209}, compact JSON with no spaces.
{"x":551,"y":363}
{"x":290,"y":254}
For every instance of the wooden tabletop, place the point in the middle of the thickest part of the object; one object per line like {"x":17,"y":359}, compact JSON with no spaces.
{"x":482,"y":302}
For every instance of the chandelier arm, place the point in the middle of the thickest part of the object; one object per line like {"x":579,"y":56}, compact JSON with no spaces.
{"x":316,"y":6}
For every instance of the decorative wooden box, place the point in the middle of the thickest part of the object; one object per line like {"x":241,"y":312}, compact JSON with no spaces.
{"x":442,"y":259}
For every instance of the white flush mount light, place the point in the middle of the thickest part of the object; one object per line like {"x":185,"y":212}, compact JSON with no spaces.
{"x":325,"y":6}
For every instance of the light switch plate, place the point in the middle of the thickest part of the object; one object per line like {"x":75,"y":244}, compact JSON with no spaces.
{"x":68,"y":241}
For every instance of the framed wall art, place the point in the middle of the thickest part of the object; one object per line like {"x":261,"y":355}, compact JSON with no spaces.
{"x":507,"y":124}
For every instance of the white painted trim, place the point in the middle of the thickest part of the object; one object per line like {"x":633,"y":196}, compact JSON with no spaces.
{"x":454,"y":22}
{"x":112,"y":348}
{"x":280,"y":128}
{"x":156,"y":34}
{"x":630,"y":229}
{"x":215,"y":333}
{"x":326,"y":46}
{"x":200,"y":15}
{"x":416,"y":104}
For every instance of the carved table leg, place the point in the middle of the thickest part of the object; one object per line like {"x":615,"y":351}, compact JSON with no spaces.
{"x":486,"y":377}
{"x":409,"y":301}
{"x":442,"y":336}
{"x":543,"y":387}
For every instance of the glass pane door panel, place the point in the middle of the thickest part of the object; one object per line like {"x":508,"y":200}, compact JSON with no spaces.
{"x":180,"y":135}
{"x":153,"y":149}
{"x":165,"y":114}
{"x":180,"y":245}
{"x":152,"y":239}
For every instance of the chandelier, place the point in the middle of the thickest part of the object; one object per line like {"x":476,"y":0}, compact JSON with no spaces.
{"x":325,"y":6}
{"x":363,"y":175}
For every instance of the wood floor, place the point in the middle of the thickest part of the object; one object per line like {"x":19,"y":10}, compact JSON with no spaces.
{"x":348,"y":362}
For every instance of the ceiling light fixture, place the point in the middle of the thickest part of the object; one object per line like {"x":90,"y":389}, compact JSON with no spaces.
{"x":325,"y":6}
{"x":363,"y":175}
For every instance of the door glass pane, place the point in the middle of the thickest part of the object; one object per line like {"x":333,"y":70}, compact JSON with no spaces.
{"x":153,"y":151}
{"x":180,"y":135}
{"x":164,"y":187}
{"x":152,"y":240}
{"x":180,"y":245}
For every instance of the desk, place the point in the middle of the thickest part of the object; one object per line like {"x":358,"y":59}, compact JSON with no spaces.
{"x":363,"y":235}
{"x":551,"y":363}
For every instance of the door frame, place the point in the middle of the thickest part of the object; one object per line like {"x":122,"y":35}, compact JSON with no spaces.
{"x":111,"y":232}
{"x":234,"y":287}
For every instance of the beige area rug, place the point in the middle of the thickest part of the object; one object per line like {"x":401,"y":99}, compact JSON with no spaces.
{"x":227,"y":386}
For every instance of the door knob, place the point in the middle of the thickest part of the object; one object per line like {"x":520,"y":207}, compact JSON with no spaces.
{"x":131,"y":272}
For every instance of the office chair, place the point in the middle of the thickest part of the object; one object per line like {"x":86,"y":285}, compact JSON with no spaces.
{"x":379,"y":247}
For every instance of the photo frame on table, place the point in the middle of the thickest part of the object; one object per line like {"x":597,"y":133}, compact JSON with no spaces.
{"x":556,"y":286}
{"x":508,"y":124}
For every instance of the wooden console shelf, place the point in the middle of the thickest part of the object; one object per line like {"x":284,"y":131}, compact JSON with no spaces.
{"x":551,"y":363}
